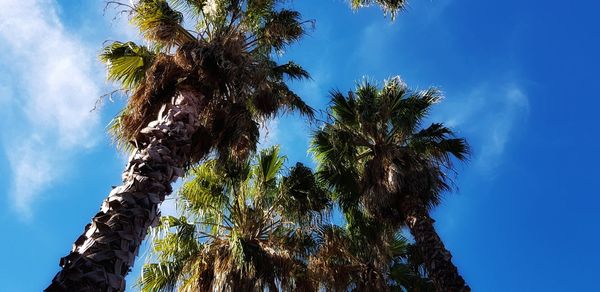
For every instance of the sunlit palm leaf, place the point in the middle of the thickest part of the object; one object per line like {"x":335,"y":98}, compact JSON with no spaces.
{"x":254,"y":240}
{"x":127,"y":63}
{"x":160,"y":23}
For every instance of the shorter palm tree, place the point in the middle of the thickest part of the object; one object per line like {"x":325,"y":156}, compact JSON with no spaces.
{"x":243,"y":229}
{"x":375,"y":155}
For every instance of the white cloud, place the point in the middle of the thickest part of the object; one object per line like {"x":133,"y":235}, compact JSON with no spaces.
{"x":33,"y":170}
{"x":488,"y":116}
{"x":53,"y":89}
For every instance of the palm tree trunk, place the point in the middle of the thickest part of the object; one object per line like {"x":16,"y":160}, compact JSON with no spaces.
{"x":438,"y":260}
{"x":103,"y":255}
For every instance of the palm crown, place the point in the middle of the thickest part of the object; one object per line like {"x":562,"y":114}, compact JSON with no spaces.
{"x":222,"y":48}
{"x":374,"y":148}
{"x":244,"y":231}
{"x":378,"y":158}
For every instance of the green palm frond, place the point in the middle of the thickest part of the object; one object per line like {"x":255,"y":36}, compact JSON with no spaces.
{"x":293,"y":102}
{"x":437,"y":141}
{"x":158,"y":22}
{"x":127,"y":63}
{"x":304,"y":198}
{"x":175,"y":245}
{"x":193,"y":7}
{"x":251,"y":231}
{"x":280,"y":29}
{"x":291,"y":70}
{"x":344,"y":109}
{"x":406,"y":271}
{"x":268,"y":166}
{"x":413,"y":108}
{"x":257,"y":12}
{"x":206,"y":191}
{"x":160,"y":277}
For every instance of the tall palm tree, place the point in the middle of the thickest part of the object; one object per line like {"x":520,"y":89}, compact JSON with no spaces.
{"x":376,"y":155}
{"x":366,"y":257}
{"x":192,"y":92}
{"x":241,"y":229}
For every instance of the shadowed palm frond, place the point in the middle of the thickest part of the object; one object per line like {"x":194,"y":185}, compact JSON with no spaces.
{"x":291,"y":70}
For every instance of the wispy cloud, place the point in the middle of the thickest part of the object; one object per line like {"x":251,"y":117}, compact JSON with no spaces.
{"x":52,"y":89}
{"x":488,"y":115}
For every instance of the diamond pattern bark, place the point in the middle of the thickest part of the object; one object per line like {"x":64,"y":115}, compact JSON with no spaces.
{"x":105,"y":252}
{"x":438,"y":260}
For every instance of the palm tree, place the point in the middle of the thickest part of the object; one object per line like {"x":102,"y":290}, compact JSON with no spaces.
{"x":242,"y":229}
{"x":391,"y":7}
{"x":191,"y":93}
{"x":375,"y":154}
{"x":366,"y":257}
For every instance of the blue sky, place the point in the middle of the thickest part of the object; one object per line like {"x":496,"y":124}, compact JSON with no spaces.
{"x":520,"y":85}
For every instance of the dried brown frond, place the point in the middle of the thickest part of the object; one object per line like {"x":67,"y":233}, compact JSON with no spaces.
{"x":158,"y":87}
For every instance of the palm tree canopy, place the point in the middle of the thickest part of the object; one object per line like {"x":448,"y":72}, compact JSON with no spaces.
{"x":220,"y":48}
{"x":374,"y":147}
{"x":389,"y":7}
{"x":246,"y":230}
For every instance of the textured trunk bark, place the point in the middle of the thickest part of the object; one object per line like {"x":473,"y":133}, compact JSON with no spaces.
{"x":103,"y":255}
{"x":438,"y":260}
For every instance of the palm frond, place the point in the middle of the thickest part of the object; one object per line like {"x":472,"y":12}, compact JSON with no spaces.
{"x":344,"y":109}
{"x":127,"y":63}
{"x":292,"y":102}
{"x":280,"y":29}
{"x":160,"y":277}
{"x":175,"y":243}
{"x":304,"y":198}
{"x":158,"y":22}
{"x":291,"y":70}
{"x":206,"y":191}
{"x":411,"y":111}
{"x":193,"y":7}
{"x":268,"y":166}
{"x":437,"y":141}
